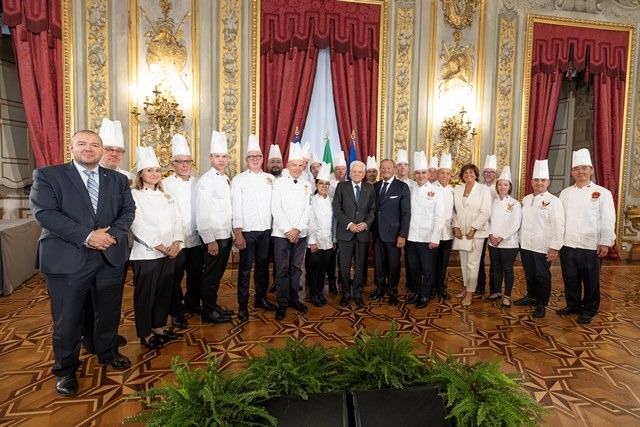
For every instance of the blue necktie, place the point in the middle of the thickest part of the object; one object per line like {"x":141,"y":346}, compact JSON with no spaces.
{"x":92,"y":186}
{"x":357,"y":194}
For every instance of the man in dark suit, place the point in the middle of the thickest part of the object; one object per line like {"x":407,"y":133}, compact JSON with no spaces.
{"x":85,"y":212}
{"x":390,"y":229}
{"x":354,"y":208}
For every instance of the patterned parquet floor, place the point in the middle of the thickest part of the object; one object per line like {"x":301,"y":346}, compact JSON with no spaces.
{"x":585,"y":375}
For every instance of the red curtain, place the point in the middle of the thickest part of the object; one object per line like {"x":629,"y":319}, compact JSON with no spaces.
{"x":292,"y":31}
{"x":36,"y":34}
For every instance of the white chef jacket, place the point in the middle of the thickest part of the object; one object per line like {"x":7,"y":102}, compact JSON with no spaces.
{"x":427,"y":214}
{"x":157,"y":221}
{"x":213,"y":206}
{"x":290,"y":206}
{"x":322,"y":223}
{"x":447,"y":197}
{"x":590,"y":217}
{"x":184,"y":193}
{"x":542,"y":225}
{"x":504,"y":222}
{"x":251,"y":201}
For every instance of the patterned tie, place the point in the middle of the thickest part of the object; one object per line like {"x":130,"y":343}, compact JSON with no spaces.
{"x":357,"y":194}
{"x":92,"y":186}
{"x":384,"y":189}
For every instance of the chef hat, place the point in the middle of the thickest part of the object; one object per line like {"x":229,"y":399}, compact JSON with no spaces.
{"x":445,"y":161}
{"x":490,"y":163}
{"x":253,"y":144}
{"x":371,"y":163}
{"x":111,"y":133}
{"x":274,"y":152}
{"x":541,"y":169}
{"x":179,"y":146}
{"x":325,"y":172}
{"x":506,"y":174}
{"x":146,"y":158}
{"x":581,"y":158}
{"x":401,"y":157}
{"x":420,"y":161}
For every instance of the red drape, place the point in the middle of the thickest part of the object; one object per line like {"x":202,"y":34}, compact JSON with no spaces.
{"x":36,"y":34}
{"x":291,"y":33}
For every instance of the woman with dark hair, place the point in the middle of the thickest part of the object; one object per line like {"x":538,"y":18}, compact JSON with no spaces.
{"x":472,"y":208}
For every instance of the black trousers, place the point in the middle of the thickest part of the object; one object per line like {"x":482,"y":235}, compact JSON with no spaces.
{"x":257,"y":248}
{"x":101,"y":282}
{"x":356,"y":251}
{"x":213,"y":270}
{"x":189,"y":260}
{"x":318,"y":262}
{"x":482,"y":277}
{"x":386,"y":264}
{"x":288,"y":258}
{"x":153,"y":283}
{"x":581,"y":274}
{"x":442,"y":262}
{"x":421,"y":264}
{"x":411,"y":280}
{"x":537,"y":272}
{"x":502,"y":260}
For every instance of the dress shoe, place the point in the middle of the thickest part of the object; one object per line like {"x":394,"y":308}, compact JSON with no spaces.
{"x":377,"y":295}
{"x":444,"y":295}
{"x":117,"y":361}
{"x":539,"y":312}
{"x":393,"y":299}
{"x":422,"y":302}
{"x":322,"y":299}
{"x":122,"y":341}
{"x":359,"y":302}
{"x":243,"y":314}
{"x":223,"y":310}
{"x":298,"y":306}
{"x":344,"y":301}
{"x":413,"y":299}
{"x":179,"y":321}
{"x":166,"y":335}
{"x":264,"y":304}
{"x":215,"y":317}
{"x":567,"y":310}
{"x":315,"y":300}
{"x":584,"y":319}
{"x":281,"y":312}
{"x":526,"y":300}
{"x":152,"y":343}
{"x":333,"y":289}
{"x":67,"y":385}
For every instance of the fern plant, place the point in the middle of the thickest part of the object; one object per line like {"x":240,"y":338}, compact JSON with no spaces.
{"x":482,"y":395}
{"x":203,"y":397}
{"x":296,"y":369}
{"x":378,"y":361}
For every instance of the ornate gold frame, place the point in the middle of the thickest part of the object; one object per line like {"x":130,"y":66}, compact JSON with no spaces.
{"x":526,"y":84}
{"x":67,"y":74}
{"x":382,"y":69}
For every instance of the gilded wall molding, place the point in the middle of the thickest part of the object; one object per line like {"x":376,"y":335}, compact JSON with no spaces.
{"x":67,"y":74}
{"x":229,"y":90}
{"x":508,"y":23}
{"x":635,"y":159}
{"x":403,"y":71}
{"x":97,"y":42}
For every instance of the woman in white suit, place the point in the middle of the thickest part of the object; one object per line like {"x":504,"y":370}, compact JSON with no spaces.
{"x":472,"y":209}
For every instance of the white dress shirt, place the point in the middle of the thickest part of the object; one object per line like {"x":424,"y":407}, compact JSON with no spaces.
{"x":447,"y":197}
{"x":290,"y":206}
{"x":427,"y":214}
{"x":251,"y":200}
{"x":504,"y":222}
{"x":184,"y":193}
{"x":322,"y":224}
{"x":542,"y":224}
{"x":590,"y":217}
{"x":213,"y":206}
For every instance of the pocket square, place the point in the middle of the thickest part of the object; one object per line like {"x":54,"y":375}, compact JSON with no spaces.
{"x":393,"y":197}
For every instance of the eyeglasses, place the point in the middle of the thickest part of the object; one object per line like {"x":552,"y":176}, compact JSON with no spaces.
{"x":114,"y":150}
{"x":183,"y":162}
{"x":254,"y":157}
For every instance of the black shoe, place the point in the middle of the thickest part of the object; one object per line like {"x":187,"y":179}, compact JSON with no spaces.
{"x":322,"y":299}
{"x":422,"y":302}
{"x":444,"y":295}
{"x":315,"y":300}
{"x":584,"y":319}
{"x":393,"y":299}
{"x":413,"y":299}
{"x":152,"y":343}
{"x":265,"y":304}
{"x":344,"y":301}
{"x":117,"y":361}
{"x":567,"y":310}
{"x":281,"y":312}
{"x":179,"y":321}
{"x":122,"y":341}
{"x":539,"y":312}
{"x":359,"y":302}
{"x":298,"y":306}
{"x":215,"y":317}
{"x":167,"y":335}
{"x":333,"y":289}
{"x":378,"y":294}
{"x":67,"y":385}
{"x":223,"y":310}
{"x":243,"y":314}
{"x":526,"y":300}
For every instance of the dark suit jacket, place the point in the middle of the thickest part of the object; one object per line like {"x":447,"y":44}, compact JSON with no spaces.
{"x":61,"y":206}
{"x":346,"y":210}
{"x":393,"y":211}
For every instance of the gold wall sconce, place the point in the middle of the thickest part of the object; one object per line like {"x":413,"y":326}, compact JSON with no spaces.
{"x":457,"y":136}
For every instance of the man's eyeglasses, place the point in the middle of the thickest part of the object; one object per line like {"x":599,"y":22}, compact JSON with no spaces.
{"x":255,"y":157}
{"x":183,"y":162}
{"x":114,"y":150}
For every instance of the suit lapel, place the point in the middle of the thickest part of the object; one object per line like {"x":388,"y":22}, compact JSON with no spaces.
{"x":81,"y":188}
{"x":103,"y":188}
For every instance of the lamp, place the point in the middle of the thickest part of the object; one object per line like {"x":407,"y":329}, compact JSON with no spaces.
{"x":457,"y":137}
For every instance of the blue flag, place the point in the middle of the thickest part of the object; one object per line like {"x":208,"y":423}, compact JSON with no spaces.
{"x":353,"y":155}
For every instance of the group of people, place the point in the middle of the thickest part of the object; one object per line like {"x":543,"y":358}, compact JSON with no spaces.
{"x":96,"y":218}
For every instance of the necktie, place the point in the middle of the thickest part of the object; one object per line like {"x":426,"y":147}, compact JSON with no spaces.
{"x":295,"y":181}
{"x":384,"y":189}
{"x":92,"y":186}
{"x":357,"y":194}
